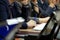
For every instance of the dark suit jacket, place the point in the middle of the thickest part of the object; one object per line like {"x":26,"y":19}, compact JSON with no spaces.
{"x":19,"y":11}
{"x":45,"y":9}
{"x":4,"y":13}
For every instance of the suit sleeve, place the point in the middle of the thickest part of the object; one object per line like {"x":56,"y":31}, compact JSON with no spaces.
{"x":46,"y":12}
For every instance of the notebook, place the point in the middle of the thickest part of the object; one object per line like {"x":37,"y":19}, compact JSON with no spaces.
{"x":39,"y":26}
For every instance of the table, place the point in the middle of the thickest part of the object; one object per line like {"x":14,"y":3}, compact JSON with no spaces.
{"x":25,"y":32}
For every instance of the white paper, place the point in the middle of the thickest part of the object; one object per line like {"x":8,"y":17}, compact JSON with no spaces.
{"x":15,"y":21}
{"x":12,"y":21}
{"x":39,"y":26}
{"x":20,"y":19}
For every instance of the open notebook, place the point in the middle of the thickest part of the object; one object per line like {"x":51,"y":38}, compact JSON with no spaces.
{"x":39,"y":26}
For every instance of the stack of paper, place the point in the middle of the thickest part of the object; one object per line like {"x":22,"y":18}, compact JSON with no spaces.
{"x":15,"y":21}
{"x":39,"y":26}
{"x":12,"y":21}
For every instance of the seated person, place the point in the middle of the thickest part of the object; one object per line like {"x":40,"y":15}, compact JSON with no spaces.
{"x":21,"y":9}
{"x":47,"y":7}
{"x":36,"y":13}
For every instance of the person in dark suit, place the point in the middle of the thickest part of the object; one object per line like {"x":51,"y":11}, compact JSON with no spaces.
{"x":36,"y":13}
{"x":46,"y":7}
{"x":4,"y":10}
{"x":4,"y":15}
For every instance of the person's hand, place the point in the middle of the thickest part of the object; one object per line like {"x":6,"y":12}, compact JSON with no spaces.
{"x":44,"y":20}
{"x":36,"y":8}
{"x":31,"y":24}
{"x":52,"y":5}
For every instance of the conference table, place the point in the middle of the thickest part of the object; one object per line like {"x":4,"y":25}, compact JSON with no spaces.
{"x":25,"y":32}
{"x":21,"y":33}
